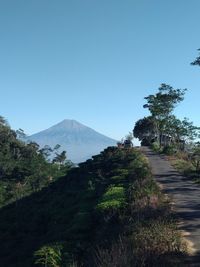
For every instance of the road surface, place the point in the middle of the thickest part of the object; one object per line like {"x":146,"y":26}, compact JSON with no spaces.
{"x":185,"y":196}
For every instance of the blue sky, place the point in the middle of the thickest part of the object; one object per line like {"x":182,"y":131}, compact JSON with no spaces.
{"x":95,"y":60}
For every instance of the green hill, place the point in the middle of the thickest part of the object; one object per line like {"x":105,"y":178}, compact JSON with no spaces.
{"x":106,"y":212}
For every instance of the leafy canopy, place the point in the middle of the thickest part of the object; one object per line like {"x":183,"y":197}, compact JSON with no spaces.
{"x":162,"y":103}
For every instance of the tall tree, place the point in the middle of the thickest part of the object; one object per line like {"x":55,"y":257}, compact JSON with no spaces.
{"x":60,"y":158}
{"x":161,"y":106}
{"x":181,"y":132}
{"x":3,"y":121}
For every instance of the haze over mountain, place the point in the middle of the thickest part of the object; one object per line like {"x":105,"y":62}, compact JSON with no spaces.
{"x":80,"y":141}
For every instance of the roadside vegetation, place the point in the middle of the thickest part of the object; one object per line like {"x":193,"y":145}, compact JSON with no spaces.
{"x":187,"y":163}
{"x":167,"y":134}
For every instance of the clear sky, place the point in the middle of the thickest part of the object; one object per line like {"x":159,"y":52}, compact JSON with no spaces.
{"x":95,"y":60}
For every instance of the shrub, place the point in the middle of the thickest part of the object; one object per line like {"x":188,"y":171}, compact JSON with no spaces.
{"x":155,"y":146}
{"x":49,"y":255}
{"x":112,"y":199}
{"x":183,"y":166}
{"x":118,"y":255}
{"x":154,"y":239}
{"x":195,"y":158}
{"x":169,"y":150}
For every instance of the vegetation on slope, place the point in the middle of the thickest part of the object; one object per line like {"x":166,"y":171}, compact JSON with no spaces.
{"x":24,"y":168}
{"x":107,"y":212}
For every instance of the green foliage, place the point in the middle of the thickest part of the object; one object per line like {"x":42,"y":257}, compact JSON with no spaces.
{"x":60,"y":158}
{"x":169,"y":150}
{"x":196,"y":61}
{"x":3,"y":193}
{"x":145,"y":129}
{"x":162,"y":130}
{"x":162,"y":103}
{"x":155,"y":146}
{"x":89,"y":208}
{"x":113,"y":198}
{"x":189,"y":163}
{"x":195,"y":158}
{"x":155,"y":240}
{"x":49,"y":256}
{"x":66,"y":210}
{"x":138,"y":168}
{"x":188,"y":131}
{"x":157,"y":243}
{"x":24,"y":167}
{"x":183,"y":166}
{"x":161,"y":106}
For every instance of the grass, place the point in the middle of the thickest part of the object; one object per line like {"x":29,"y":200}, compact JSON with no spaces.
{"x":186,"y":164}
{"x":186,"y":168}
{"x":112,"y":199}
{"x":158,"y":243}
{"x":155,"y":242}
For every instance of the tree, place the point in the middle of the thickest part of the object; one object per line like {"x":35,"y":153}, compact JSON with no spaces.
{"x":181,"y":132}
{"x":197,"y":60}
{"x":46,"y":151}
{"x":56,"y":147}
{"x":145,"y":129}
{"x":21,"y":134}
{"x":60,"y":158}
{"x":3,"y":121}
{"x":162,"y":103}
{"x":24,"y":167}
{"x":129,"y":137}
{"x":189,"y":132}
{"x":161,"y":106}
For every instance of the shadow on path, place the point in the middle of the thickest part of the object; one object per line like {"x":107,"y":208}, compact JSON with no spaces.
{"x":185,"y":197}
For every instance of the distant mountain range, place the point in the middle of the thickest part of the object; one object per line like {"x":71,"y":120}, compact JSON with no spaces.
{"x":80,"y":141}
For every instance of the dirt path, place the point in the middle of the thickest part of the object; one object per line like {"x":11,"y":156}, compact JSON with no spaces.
{"x":185,"y":196}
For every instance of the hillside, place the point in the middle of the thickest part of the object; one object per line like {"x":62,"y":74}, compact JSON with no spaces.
{"x":107,"y":212}
{"x":80,"y":141}
{"x":23,"y":167}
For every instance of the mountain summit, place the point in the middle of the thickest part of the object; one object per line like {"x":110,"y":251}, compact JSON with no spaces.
{"x":80,"y":141}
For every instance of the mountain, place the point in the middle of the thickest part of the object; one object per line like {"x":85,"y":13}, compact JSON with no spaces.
{"x":80,"y":141}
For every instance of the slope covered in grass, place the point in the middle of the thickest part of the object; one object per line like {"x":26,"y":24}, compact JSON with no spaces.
{"x":107,"y":212}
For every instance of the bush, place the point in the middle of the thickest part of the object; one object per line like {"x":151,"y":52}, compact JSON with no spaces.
{"x":155,"y":239}
{"x":112,"y":199}
{"x":155,"y":146}
{"x":183,"y":166}
{"x":49,"y":255}
{"x":195,"y":158}
{"x":145,"y":142}
{"x":119,"y":255}
{"x":152,"y":243}
{"x":169,"y":150}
